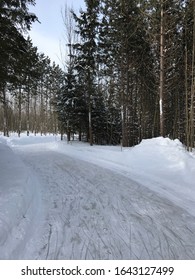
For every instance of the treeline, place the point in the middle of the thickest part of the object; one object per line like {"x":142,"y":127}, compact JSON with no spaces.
{"x":28,"y":100}
{"x":129,"y":73}
{"x":28,"y":81}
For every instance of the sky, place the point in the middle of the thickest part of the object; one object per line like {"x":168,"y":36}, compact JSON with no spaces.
{"x":48,"y":35}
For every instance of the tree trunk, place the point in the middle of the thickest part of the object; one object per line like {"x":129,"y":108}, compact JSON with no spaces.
{"x":90,"y":126}
{"x":20,"y":111}
{"x":28,"y":113}
{"x":161,"y":86}
{"x":35,"y":115}
{"x":192,"y":85}
{"x":90,"y":111}
{"x":68,"y":132}
{"x":186,"y":99}
{"x":5,"y":119}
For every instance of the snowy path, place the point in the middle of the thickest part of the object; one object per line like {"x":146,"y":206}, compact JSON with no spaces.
{"x":94,"y":213}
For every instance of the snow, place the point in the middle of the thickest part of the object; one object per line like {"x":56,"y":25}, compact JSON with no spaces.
{"x":19,"y":198}
{"x":75,"y":201}
{"x":161,"y":107}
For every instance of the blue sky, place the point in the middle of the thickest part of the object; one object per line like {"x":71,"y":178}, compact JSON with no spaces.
{"x":49,"y":35}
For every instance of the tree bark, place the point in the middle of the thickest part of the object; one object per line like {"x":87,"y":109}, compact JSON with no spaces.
{"x":20,"y":111}
{"x":5,"y":119}
{"x":161,"y":86}
{"x":192,"y":85}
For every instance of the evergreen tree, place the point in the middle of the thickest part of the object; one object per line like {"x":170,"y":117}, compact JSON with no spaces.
{"x":127,"y":56}
{"x":25,"y":74}
{"x":87,"y":28}
{"x":188,"y":51}
{"x":14,"y":19}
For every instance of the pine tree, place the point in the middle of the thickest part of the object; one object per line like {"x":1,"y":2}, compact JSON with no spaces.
{"x":189,"y":58}
{"x":127,"y":57}
{"x":14,"y":18}
{"x":87,"y":25}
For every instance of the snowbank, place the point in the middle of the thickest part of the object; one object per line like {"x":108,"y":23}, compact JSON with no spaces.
{"x":159,"y":164}
{"x":160,"y":159}
{"x":18,"y":202}
{"x":164,"y":159}
{"x":24,"y":140}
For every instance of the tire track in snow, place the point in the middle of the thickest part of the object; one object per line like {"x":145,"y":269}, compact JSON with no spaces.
{"x":95,"y":213}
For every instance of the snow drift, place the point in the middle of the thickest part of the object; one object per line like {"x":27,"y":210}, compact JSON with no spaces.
{"x":46,"y":217}
{"x":19,"y":200}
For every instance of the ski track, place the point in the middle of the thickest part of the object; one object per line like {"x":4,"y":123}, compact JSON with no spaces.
{"x":94,"y":213}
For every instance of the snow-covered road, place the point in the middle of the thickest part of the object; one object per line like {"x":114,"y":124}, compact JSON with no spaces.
{"x":90,"y":212}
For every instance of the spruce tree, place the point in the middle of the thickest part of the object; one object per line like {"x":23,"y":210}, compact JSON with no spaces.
{"x":87,"y":28}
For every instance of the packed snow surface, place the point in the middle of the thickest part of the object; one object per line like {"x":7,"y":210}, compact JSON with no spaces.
{"x":62,"y":200}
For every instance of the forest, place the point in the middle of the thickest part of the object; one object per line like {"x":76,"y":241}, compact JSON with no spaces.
{"x":129,"y":73}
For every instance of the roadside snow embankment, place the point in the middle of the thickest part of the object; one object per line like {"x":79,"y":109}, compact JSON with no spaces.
{"x":18,"y":203}
{"x":158,"y":159}
{"x":161,"y":164}
{"x":164,"y":159}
